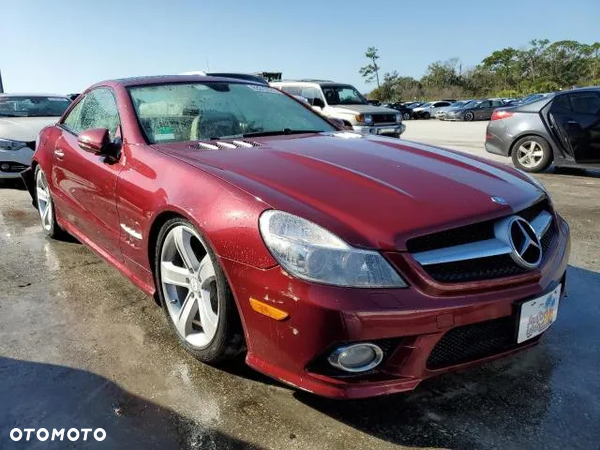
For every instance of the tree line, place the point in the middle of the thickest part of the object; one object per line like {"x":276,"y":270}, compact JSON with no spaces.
{"x":541,"y":66}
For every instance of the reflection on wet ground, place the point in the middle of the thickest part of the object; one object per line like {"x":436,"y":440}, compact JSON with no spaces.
{"x":80,"y":345}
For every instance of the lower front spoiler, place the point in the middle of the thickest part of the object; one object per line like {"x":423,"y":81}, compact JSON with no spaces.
{"x":343,"y":390}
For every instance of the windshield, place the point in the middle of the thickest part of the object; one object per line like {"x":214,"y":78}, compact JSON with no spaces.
{"x":35,"y":106}
{"x":343,"y":95}
{"x":458,"y":104}
{"x":197,"y":111}
{"x":426,"y":105}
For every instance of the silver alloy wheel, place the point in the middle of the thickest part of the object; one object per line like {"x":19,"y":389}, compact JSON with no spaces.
{"x":406,"y":116}
{"x":44,"y":201}
{"x":530,"y":154}
{"x":189,"y":284}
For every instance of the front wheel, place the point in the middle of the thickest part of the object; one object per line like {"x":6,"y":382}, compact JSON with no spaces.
{"x":406,"y":116}
{"x":45,"y":206}
{"x":532,"y":154}
{"x":426,"y":115}
{"x":195,"y":295}
{"x":469,"y":116}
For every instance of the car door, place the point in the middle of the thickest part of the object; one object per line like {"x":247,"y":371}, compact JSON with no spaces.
{"x":489,"y":111}
{"x":575,"y":118}
{"x":482,"y":108}
{"x":86,"y":182}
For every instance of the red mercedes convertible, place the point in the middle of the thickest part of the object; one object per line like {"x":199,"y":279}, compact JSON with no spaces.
{"x":345,"y":265}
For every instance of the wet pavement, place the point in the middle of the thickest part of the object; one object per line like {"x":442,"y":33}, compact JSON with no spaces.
{"x":82,"y":347}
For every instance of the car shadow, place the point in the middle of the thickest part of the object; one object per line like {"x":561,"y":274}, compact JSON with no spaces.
{"x":16,"y":183}
{"x":40,"y":395}
{"x":515,"y":402}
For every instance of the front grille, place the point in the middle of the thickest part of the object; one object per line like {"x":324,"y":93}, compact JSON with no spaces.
{"x":480,"y":268}
{"x":469,"y":233}
{"x":384,"y":118}
{"x":472,"y":342}
{"x":475,"y":269}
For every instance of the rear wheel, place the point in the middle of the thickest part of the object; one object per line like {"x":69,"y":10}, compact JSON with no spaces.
{"x":532,"y":154}
{"x":406,"y":116}
{"x":45,"y":206}
{"x":469,"y":116}
{"x":195,"y":295}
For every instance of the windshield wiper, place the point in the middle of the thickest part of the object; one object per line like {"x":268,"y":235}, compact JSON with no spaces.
{"x":285,"y":131}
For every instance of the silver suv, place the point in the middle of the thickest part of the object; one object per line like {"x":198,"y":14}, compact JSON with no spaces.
{"x":344,"y":102}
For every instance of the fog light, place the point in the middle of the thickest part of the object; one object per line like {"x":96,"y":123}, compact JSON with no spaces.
{"x":5,"y":167}
{"x":356,"y":357}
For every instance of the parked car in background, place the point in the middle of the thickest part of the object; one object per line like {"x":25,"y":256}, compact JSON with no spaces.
{"x":22,"y":116}
{"x":407,"y":112}
{"x":322,"y":256}
{"x":441,"y":112}
{"x":474,"y":110}
{"x":344,"y":102}
{"x":428,"y":110}
{"x":561,"y":128}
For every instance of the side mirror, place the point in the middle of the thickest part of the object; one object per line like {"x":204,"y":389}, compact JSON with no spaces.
{"x":97,"y":141}
{"x":317,"y":102}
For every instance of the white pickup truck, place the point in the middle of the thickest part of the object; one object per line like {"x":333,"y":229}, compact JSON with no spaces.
{"x":344,"y":102}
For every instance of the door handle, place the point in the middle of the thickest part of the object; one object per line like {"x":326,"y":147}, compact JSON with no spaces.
{"x":59,"y":153}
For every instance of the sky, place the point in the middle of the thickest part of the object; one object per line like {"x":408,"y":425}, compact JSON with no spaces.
{"x":64,"y":46}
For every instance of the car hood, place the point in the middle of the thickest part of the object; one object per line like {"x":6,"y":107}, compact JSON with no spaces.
{"x":364,"y":109}
{"x":24,"y":128}
{"x":373,"y":192}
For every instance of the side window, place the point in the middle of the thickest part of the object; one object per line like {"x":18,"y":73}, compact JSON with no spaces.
{"x":71,"y":122}
{"x":496,"y":103}
{"x":585,"y":103}
{"x":561,"y":104}
{"x":292,"y":90}
{"x":310,"y":92}
{"x":485,"y":104}
{"x":100,"y":111}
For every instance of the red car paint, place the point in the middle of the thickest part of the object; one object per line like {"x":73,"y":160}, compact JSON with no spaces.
{"x":374,"y":193}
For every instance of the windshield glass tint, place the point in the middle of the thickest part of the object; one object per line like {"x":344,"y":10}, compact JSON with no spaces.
{"x":343,"y":95}
{"x":38,"y":106}
{"x":197,"y":111}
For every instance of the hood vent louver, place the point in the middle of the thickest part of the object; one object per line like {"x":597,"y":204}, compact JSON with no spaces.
{"x":217,"y":145}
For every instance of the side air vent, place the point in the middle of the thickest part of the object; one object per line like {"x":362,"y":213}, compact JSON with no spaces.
{"x":216,"y":145}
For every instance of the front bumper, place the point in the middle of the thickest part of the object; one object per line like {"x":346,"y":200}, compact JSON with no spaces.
{"x":18,"y":160}
{"x":382,"y":130}
{"x":408,"y":322}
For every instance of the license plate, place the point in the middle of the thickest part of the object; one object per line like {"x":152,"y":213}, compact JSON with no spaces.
{"x":537,"y":315}
{"x":386,"y":131}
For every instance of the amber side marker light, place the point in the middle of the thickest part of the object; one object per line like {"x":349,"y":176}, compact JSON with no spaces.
{"x":267,"y":310}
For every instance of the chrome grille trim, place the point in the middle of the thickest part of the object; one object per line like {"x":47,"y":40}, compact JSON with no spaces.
{"x":479,"y":249}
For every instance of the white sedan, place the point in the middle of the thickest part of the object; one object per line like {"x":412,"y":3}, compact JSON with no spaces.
{"x":22,"y":117}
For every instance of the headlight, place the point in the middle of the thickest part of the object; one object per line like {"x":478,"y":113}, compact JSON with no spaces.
{"x":398,"y":118}
{"x":312,"y":253}
{"x":9,"y":144}
{"x":364,"y":118}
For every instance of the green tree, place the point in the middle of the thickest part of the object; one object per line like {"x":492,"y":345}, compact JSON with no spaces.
{"x":370,"y":72}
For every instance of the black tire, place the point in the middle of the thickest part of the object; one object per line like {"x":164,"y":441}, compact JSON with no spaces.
{"x":426,"y":115}
{"x":51,"y":228}
{"x":542,"y":164}
{"x":228,"y":340}
{"x":406,"y":116}
{"x":469,"y":116}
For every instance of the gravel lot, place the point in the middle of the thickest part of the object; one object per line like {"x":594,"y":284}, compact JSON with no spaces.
{"x":81,"y":347}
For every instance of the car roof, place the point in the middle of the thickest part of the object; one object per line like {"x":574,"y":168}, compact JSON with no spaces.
{"x":166,"y":79}
{"x":31,"y":94}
